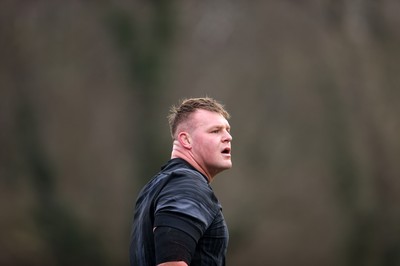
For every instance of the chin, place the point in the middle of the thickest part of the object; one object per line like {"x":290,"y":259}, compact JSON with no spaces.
{"x":227,"y":165}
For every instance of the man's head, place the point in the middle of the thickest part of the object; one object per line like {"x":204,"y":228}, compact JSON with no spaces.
{"x":180,"y":114}
{"x":201,"y":134}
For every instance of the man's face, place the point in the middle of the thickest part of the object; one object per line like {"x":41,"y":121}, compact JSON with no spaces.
{"x":211,"y":141}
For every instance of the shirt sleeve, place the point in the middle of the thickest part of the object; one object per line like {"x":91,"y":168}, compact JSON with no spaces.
{"x":186,"y":203}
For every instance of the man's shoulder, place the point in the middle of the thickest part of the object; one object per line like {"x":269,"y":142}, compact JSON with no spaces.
{"x":187,"y":179}
{"x":180,"y":169}
{"x":187,"y":192}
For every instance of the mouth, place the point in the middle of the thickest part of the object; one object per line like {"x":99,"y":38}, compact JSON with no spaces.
{"x":226,"y":151}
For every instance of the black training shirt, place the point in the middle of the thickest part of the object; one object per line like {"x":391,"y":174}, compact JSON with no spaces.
{"x":179,"y":197}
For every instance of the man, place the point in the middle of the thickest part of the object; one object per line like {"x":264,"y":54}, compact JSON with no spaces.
{"x":178,"y":220}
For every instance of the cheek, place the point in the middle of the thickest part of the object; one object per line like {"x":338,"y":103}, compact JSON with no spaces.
{"x":205,"y":146}
{"x":210,"y":148}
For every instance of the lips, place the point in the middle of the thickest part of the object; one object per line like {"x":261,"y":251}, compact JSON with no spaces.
{"x":226,"y":151}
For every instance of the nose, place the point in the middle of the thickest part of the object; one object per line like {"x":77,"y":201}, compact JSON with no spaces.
{"x":227,"y":137}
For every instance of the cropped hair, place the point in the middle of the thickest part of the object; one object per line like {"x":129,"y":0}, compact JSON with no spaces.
{"x":180,"y":113}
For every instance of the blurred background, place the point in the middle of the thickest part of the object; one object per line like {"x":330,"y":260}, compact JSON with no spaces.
{"x":312,"y":87}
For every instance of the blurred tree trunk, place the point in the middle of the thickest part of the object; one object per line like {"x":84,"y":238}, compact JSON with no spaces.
{"x":372,"y":200}
{"x":143,"y":40}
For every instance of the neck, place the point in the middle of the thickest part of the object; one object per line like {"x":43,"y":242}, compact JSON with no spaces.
{"x":180,"y":152}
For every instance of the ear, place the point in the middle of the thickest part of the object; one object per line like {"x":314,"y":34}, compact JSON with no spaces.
{"x":185,"y":140}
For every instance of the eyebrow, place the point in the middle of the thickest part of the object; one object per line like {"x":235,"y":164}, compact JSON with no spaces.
{"x":220,"y":127}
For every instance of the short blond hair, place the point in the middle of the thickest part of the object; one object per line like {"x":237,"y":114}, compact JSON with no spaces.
{"x":181,"y":112}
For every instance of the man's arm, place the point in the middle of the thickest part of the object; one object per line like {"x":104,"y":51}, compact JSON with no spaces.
{"x":173,"y":247}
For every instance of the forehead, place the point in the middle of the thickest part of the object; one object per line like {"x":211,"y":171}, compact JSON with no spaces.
{"x":208,"y":119}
